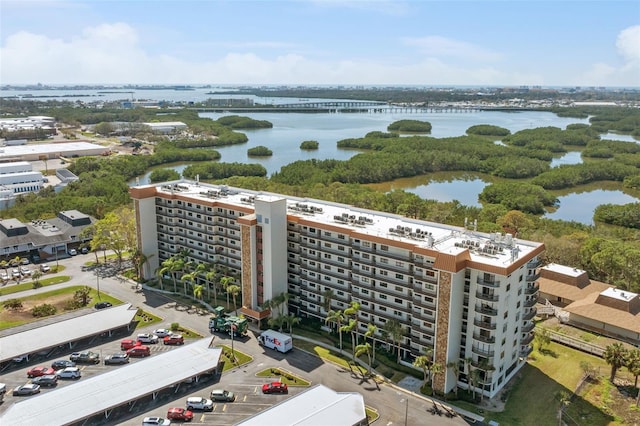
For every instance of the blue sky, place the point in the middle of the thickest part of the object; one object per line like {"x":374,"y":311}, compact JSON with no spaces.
{"x":321,"y":42}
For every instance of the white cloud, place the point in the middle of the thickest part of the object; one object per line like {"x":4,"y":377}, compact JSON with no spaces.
{"x":628,"y":45}
{"x":436,"y":46}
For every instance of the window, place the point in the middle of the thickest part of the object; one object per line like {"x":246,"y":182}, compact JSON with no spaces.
{"x":400,"y":276}
{"x":398,"y":301}
{"x":384,"y":248}
{"x":341,"y":237}
{"x":384,"y":261}
{"x":383,"y":296}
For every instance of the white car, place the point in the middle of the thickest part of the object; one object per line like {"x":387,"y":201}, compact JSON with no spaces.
{"x":72,"y":373}
{"x":155,"y":421}
{"x":4,"y":276}
{"x":16,"y":273}
{"x":45,"y":268}
{"x":25,"y":271}
{"x":199,"y":403}
{"x":147,"y":338}
{"x":162,"y":332}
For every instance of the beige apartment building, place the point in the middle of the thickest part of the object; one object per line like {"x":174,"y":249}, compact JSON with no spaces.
{"x":467,"y":295}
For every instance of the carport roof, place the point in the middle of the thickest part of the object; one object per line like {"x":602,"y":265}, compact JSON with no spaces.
{"x":59,"y":333}
{"x":318,"y":406}
{"x":92,"y":396}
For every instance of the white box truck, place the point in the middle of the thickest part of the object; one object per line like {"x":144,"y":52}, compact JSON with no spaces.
{"x":275,"y":340}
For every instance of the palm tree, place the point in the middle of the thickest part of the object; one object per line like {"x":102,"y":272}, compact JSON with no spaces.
{"x":395,"y":331}
{"x":172,"y":266}
{"x":35,"y":276}
{"x":467,"y":367}
{"x":210,"y":277}
{"x":349,"y":328}
{"x":362,"y":349}
{"x":436,"y":368}
{"x":371,"y":333}
{"x":327,"y":295}
{"x":291,"y":320}
{"x":455,"y":366}
{"x":188,"y":278}
{"x":353,"y":310}
{"x":234,"y":290}
{"x":423,"y":362}
{"x":336,"y":317}
{"x":474,"y":379}
{"x":633,"y":365}
{"x":277,"y":322}
{"x":615,"y":355}
{"x":197,"y":291}
{"x":226,"y":282}
{"x":485,"y":367}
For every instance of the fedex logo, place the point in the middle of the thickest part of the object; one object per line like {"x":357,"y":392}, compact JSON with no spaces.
{"x":273,"y":340}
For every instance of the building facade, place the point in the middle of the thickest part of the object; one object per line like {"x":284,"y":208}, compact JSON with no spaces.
{"x":468,"y":296}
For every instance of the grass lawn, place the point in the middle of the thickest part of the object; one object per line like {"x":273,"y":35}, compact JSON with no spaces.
{"x":283,"y":376}
{"x":372,"y":414}
{"x":241,"y":358}
{"x":58,"y":298}
{"x":145,"y":318}
{"x":326,"y":354}
{"x":534,"y":399}
{"x":10,"y":289}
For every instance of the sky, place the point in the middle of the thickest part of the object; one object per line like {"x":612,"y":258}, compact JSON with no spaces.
{"x":321,"y":42}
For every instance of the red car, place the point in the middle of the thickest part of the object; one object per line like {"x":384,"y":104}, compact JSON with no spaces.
{"x":174,"y":339}
{"x":40,"y":371}
{"x":128,"y":344}
{"x":139,"y":351}
{"x":180,"y":414}
{"x":275,"y":387}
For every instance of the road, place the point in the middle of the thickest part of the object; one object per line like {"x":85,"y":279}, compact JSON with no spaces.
{"x":396,"y":405}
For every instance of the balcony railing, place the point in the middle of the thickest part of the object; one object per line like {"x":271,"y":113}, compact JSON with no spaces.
{"x":534,"y":263}
{"x":487,"y":296}
{"x":482,"y":352}
{"x":486,"y":310}
{"x":533,"y":277}
{"x":529,"y":315}
{"x":527,"y":340}
{"x":525,"y":352}
{"x":528,"y":327}
{"x":528,"y":303}
{"x":488,"y":283}
{"x":484,"y":324}
{"x":532,"y":288}
{"x":482,"y":338}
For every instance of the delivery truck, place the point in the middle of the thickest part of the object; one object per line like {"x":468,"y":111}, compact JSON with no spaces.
{"x":274,"y":340}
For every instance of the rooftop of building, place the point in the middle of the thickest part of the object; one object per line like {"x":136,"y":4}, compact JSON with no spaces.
{"x":43,"y":232}
{"x":48,"y":148}
{"x":496,"y":249}
{"x":597,"y":306}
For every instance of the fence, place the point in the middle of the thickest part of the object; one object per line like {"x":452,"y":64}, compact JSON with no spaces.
{"x":576,"y":343}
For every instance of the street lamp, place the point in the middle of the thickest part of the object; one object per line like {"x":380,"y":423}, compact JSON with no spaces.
{"x":406,"y":410}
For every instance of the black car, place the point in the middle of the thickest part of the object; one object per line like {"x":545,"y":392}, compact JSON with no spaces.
{"x":62,"y":363}
{"x":48,"y":380}
{"x":102,"y":305}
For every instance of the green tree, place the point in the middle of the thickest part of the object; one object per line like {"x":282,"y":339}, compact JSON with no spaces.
{"x":542,"y":337}
{"x":455,"y":367}
{"x":291,"y":320}
{"x":197,"y":291}
{"x":327,"y":296}
{"x":226,"y":282}
{"x":436,"y":369}
{"x":424,"y":363}
{"x":632,"y":362}
{"x":352,"y":311}
{"x":337,"y":318}
{"x":396,"y":332}
{"x":371,"y":334}
{"x":35,"y":276}
{"x":615,"y":355}
{"x":364,"y":348}
{"x":234,"y":289}
{"x":350,"y":328}
{"x":82,"y":295}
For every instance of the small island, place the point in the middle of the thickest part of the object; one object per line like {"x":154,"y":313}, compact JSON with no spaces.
{"x":488,"y":130}
{"x":412,"y":126}
{"x":309,"y":145}
{"x":240,"y":122}
{"x":259,"y":151}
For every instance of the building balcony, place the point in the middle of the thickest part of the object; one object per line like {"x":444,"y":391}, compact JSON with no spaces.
{"x":485,"y":324}
{"x":486,"y":310}
{"x":533,"y":264}
{"x":525,"y":352}
{"x":529,"y":315}
{"x":483,"y":338}
{"x":532,"y":289}
{"x":528,"y":326}
{"x":533,"y":277}
{"x":482,"y":364}
{"x":491,"y":297}
{"x":526,"y":340}
{"x":528,"y":303}
{"x":488,"y":283}
{"x":482,"y":352}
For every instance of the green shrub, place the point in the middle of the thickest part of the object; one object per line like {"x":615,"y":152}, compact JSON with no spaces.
{"x":43,"y":310}
{"x":175,"y":326}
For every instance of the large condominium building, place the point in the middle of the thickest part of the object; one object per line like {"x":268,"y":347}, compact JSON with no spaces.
{"x":468,"y":296}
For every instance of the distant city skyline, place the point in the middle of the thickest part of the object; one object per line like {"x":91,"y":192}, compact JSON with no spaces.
{"x":321,"y":42}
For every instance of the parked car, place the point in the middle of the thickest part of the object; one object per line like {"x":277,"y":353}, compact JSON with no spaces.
{"x":162,"y":332}
{"x":128,"y":344}
{"x":222,"y":395}
{"x":155,"y":421}
{"x":40,"y":371}
{"x":72,"y":252}
{"x":28,"y":389}
{"x":84,"y":250}
{"x":25,"y":271}
{"x":102,"y":305}
{"x":119,"y":358}
{"x":86,"y":357}
{"x":199,"y":403}
{"x":175,"y":339}
{"x":275,"y":387}
{"x":48,"y":380}
{"x":15,"y":273}
{"x":72,"y":373}
{"x":62,"y":363}
{"x":147,"y":338}
{"x":180,"y":413}
{"x":139,"y":351}
{"x":45,"y":268}
{"x":4,"y":276}
{"x":24,"y":261}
